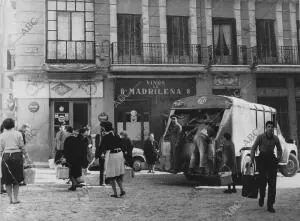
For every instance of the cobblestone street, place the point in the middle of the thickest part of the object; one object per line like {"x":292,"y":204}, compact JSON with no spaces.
{"x":159,"y":196}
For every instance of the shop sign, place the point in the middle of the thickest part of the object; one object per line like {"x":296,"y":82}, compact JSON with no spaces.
{"x":156,"y":87}
{"x":33,"y":107}
{"x":226,"y":80}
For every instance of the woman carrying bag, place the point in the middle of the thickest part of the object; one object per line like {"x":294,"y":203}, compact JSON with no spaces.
{"x":114,"y":167}
{"x":12,"y":150}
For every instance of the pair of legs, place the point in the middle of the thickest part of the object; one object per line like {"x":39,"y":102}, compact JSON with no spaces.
{"x":151,"y":168}
{"x":74,"y":173}
{"x":267,"y":175}
{"x":102,"y":176}
{"x":13,"y":193}
{"x":233,"y":189}
{"x":114,"y":181}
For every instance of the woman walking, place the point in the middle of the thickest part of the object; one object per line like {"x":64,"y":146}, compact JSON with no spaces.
{"x":151,"y":152}
{"x":12,"y":151}
{"x":114,"y":158}
{"x":75,"y":156}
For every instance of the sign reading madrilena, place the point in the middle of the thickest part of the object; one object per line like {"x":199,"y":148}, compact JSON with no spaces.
{"x":156,"y":87}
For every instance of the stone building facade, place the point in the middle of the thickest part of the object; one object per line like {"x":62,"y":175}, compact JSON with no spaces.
{"x":7,"y":101}
{"x":132,"y":59}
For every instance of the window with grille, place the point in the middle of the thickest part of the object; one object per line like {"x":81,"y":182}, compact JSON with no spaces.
{"x":129,"y":34}
{"x":70,"y":31}
{"x":265,"y":37}
{"x":178,"y":35}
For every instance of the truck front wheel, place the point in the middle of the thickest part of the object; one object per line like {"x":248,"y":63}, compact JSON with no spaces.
{"x":291,"y":168}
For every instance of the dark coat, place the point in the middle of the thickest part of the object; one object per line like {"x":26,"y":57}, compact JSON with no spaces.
{"x":74,"y":154}
{"x":84,"y":143}
{"x":151,"y":151}
{"x":127,"y":148}
{"x":99,"y":151}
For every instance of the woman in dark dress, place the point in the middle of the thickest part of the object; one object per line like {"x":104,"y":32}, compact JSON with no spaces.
{"x":127,"y":148}
{"x":229,"y":160}
{"x":114,"y":158}
{"x":75,"y":153}
{"x":151,"y":152}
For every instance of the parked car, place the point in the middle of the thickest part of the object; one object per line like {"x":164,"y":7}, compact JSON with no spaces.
{"x":139,"y":160}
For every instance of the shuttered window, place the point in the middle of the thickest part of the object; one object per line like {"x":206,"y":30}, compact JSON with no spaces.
{"x":178,"y":35}
{"x":265,"y":37}
{"x":129,"y":34}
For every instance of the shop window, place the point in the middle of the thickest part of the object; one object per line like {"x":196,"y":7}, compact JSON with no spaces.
{"x":265,"y":37}
{"x":178,"y":35}
{"x":70,"y":31}
{"x":129,"y":34}
{"x":271,"y":82}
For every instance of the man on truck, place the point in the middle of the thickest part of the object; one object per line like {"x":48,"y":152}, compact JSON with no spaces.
{"x":267,"y":164}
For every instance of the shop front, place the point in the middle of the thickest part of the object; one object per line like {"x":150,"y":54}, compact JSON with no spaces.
{"x":47,"y":104}
{"x":142,"y":105}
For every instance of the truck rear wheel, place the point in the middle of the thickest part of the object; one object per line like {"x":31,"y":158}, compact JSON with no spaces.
{"x":291,"y":168}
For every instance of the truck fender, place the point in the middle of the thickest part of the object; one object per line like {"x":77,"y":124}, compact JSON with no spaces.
{"x":289,"y":148}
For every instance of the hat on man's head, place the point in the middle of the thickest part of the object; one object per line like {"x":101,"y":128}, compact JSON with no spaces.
{"x":106,"y":125}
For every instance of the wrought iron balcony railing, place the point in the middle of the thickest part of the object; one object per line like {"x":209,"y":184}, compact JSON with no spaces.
{"x":285,"y":55}
{"x":158,"y":53}
{"x":155,"y":53}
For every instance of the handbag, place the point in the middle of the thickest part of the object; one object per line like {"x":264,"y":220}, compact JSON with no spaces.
{"x":225,"y":177}
{"x":250,"y":186}
{"x":62,"y":172}
{"x":94,"y":165}
{"x":29,"y":175}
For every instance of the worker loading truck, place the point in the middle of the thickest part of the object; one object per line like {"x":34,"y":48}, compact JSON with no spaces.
{"x":202,"y":122}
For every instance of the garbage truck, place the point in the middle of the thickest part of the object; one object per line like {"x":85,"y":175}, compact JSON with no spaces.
{"x":242,"y":119}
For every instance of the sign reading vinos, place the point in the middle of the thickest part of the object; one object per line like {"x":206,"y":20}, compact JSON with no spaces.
{"x":33,"y":107}
{"x":156,"y":87}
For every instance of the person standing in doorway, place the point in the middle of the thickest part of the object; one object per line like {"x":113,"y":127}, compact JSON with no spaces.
{"x":151,"y":152}
{"x":173,"y":135}
{"x":100,"y":154}
{"x":267,"y":164}
{"x":59,"y":143}
{"x":12,"y":149}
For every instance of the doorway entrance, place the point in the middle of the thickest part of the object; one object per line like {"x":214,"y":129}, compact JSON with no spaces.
{"x":133,"y":117}
{"x":74,"y":113}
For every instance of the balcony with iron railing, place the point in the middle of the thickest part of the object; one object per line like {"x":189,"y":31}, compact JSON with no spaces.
{"x":159,"y":53}
{"x":284,"y":55}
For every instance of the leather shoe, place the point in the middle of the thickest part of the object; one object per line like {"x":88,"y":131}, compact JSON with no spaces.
{"x":261,"y":202}
{"x":271,"y":209}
